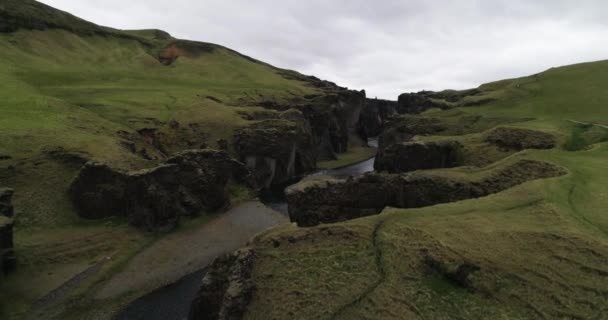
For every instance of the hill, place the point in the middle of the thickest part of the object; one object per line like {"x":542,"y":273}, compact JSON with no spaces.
{"x":74,"y":92}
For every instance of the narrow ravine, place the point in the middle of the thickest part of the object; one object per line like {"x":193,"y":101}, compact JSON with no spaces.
{"x":225,"y":234}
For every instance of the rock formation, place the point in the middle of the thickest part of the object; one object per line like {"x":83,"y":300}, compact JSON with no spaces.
{"x":277,"y":149}
{"x":326,"y":200}
{"x":519,"y":139}
{"x":7,"y":253}
{"x":375,"y":115}
{"x":155,"y":199}
{"x":404,"y":128}
{"x":413,"y":103}
{"x":227,"y":288}
{"x":412,"y":156}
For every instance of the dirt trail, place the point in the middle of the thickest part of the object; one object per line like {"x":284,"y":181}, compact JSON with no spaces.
{"x":180,"y":254}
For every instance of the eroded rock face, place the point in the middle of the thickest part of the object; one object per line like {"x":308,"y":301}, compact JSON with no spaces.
{"x":155,"y":199}
{"x":329,"y":200}
{"x":277,"y":149}
{"x":413,"y":103}
{"x":404,"y":128}
{"x":412,"y":156}
{"x":334,"y":119}
{"x":375,"y":115}
{"x":7,"y":253}
{"x":227,"y":288}
{"x":519,"y":139}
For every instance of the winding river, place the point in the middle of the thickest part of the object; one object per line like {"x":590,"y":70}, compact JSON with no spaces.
{"x":172,"y":302}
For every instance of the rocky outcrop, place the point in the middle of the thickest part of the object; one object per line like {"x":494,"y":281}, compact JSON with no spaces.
{"x":404,"y":128}
{"x":155,"y":199}
{"x":277,"y":149}
{"x":414,"y":103}
{"x":375,"y":115}
{"x":7,"y":253}
{"x":334,"y":119}
{"x":227,"y":288}
{"x":326,"y":200}
{"x":520,"y":139}
{"x":412,"y":156}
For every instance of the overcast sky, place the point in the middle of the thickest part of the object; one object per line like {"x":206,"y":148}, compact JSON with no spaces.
{"x":385,"y":46}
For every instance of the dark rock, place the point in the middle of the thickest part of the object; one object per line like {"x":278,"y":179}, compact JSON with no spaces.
{"x":6,"y":207}
{"x":227,"y":288}
{"x":99,"y":191}
{"x":519,"y":139}
{"x":222,"y":144}
{"x":8,"y":259}
{"x":277,"y":150}
{"x":404,"y":128}
{"x":326,"y":200}
{"x":155,"y":199}
{"x":412,"y":156}
{"x":414,"y":103}
{"x":374,"y":116}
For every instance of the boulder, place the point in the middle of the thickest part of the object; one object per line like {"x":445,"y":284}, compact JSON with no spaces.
{"x":155,"y":199}
{"x":7,"y":253}
{"x":412,"y":156}
{"x":227,"y":288}
{"x":520,"y":139}
{"x":327,"y":200}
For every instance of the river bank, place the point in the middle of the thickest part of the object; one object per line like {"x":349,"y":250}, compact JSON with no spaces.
{"x":198,"y":249}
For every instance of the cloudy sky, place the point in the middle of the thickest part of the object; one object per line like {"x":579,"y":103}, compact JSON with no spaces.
{"x":384,"y":46}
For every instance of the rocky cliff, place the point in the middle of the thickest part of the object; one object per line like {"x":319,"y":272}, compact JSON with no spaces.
{"x":326,"y":200}
{"x":7,"y":253}
{"x":155,"y":199}
{"x":412,"y":156}
{"x":277,"y":149}
{"x":227,"y":288}
{"x":375,"y":115}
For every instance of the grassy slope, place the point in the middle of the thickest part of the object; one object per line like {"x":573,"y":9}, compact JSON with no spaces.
{"x":73,"y":87}
{"x":542,"y":247}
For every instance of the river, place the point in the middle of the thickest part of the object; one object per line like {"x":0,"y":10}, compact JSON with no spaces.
{"x":172,"y":302}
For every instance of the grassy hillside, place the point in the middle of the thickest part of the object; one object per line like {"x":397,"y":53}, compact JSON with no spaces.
{"x":73,"y":91}
{"x":537,"y":251}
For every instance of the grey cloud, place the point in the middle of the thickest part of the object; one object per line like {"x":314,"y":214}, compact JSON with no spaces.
{"x":386,"y":47}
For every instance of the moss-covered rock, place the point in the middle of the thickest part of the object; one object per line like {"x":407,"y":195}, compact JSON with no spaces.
{"x":413,"y":103}
{"x":7,"y":253}
{"x":404,"y":128}
{"x":329,"y":200}
{"x":277,"y":149}
{"x":519,"y":139}
{"x":155,"y":199}
{"x":412,"y":156}
{"x":227,"y":288}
